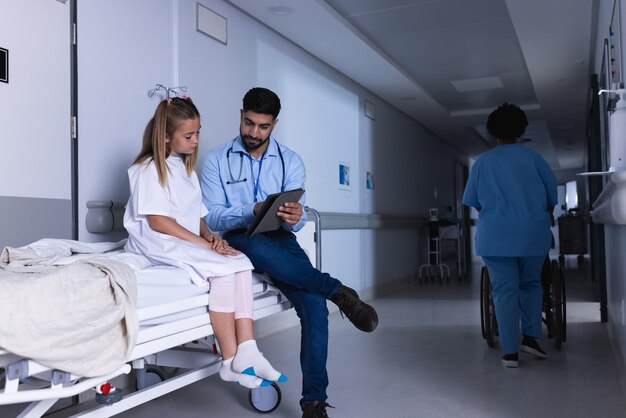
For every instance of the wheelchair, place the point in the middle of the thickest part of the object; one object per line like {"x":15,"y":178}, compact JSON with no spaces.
{"x":553,"y":304}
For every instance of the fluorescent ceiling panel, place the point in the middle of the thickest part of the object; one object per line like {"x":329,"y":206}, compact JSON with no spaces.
{"x":477,"y":84}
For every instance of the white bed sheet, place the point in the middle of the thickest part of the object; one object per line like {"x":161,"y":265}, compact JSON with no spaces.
{"x":158,"y":285}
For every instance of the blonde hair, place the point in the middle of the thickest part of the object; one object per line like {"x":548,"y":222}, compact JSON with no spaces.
{"x":167,"y":116}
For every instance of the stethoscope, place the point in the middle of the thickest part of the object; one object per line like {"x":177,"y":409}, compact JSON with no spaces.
{"x":232,"y":178}
{"x":245,"y":179}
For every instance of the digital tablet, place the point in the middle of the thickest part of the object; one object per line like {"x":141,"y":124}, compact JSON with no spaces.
{"x":266,"y":219}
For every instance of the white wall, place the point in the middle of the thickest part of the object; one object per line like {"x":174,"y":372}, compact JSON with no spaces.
{"x":35,"y":112}
{"x":35,"y":104}
{"x":125,"y":48}
{"x":322,"y":119}
{"x":615,"y":241}
{"x":615,"y":235}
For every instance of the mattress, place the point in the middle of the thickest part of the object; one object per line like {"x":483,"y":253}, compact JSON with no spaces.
{"x":161,"y":285}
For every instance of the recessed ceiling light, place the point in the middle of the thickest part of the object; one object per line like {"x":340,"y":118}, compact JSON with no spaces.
{"x":488,"y":110}
{"x":477,"y":84}
{"x":281,"y":10}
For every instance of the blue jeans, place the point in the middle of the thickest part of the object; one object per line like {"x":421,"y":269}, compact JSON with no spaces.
{"x":517,"y":295}
{"x":279,"y":255}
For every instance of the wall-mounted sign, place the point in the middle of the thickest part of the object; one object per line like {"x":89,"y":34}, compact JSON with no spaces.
{"x":211,"y":24}
{"x":4,"y":65}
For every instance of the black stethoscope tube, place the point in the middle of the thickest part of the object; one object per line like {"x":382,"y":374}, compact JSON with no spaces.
{"x":232,"y":178}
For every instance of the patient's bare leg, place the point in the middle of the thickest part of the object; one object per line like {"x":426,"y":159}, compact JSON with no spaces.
{"x":224,"y":328}
{"x":248,"y":359}
{"x":223,"y":324}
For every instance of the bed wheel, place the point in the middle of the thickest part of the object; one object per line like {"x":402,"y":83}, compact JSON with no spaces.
{"x":265,"y":399}
{"x":152,"y":376}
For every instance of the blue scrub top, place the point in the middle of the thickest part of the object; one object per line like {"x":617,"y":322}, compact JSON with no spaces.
{"x":512,"y":186}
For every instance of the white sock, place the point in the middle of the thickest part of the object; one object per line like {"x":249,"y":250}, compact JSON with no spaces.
{"x":229,"y":375}
{"x":249,"y":360}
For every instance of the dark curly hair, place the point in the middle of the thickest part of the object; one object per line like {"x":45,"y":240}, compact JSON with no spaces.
{"x":508,"y":121}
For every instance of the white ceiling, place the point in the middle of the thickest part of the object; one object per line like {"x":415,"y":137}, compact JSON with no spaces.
{"x":448,"y":63}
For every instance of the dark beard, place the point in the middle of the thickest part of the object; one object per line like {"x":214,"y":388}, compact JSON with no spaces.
{"x":253,"y":147}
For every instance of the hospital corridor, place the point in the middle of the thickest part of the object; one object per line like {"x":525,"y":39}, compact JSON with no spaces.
{"x":313,"y":208}
{"x":428,"y":359}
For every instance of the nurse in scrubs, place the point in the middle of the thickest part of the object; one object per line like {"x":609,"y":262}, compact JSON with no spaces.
{"x":514,"y":191}
{"x":164,"y":223}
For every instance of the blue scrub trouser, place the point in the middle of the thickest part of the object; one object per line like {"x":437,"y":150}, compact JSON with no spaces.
{"x":517,"y":294}
{"x":278,"y":254}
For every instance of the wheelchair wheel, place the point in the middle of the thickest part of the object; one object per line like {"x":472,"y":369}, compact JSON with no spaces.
{"x":564,"y":306}
{"x":265,"y":399}
{"x":558,"y":295}
{"x":488,"y":315}
{"x":482,"y":303}
{"x":547,"y":296}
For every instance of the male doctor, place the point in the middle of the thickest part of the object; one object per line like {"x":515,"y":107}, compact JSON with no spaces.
{"x":236,"y":178}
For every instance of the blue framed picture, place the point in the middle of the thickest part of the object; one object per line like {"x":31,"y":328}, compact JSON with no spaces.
{"x":369,"y":180}
{"x":344,"y":176}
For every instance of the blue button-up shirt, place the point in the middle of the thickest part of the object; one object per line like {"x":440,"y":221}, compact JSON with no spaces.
{"x":230,"y":176}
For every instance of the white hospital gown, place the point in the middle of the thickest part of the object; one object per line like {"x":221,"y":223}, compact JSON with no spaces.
{"x":181,"y":200}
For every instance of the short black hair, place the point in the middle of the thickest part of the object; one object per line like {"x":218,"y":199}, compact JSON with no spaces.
{"x":261,"y":100}
{"x":508,"y":121}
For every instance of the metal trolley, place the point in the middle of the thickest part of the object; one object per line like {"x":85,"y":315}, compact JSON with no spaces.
{"x":453,"y":250}
{"x":572,"y":236}
{"x":553,"y":306}
{"x":446,"y":245}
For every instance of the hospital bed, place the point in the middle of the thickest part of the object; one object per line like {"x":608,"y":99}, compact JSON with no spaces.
{"x":174,"y":332}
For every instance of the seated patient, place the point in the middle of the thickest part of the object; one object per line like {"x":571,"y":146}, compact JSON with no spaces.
{"x":164,"y":223}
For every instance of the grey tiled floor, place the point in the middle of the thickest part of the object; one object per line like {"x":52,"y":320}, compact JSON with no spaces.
{"x":428,"y":359}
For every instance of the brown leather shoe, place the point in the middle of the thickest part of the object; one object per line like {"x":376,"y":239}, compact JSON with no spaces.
{"x":315,"y":409}
{"x":362,"y":315}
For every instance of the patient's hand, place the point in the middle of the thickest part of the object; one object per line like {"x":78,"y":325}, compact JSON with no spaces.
{"x":220,"y":245}
{"x":226,"y":249}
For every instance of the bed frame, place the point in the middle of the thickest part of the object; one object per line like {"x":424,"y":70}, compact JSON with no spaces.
{"x":184,"y":343}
